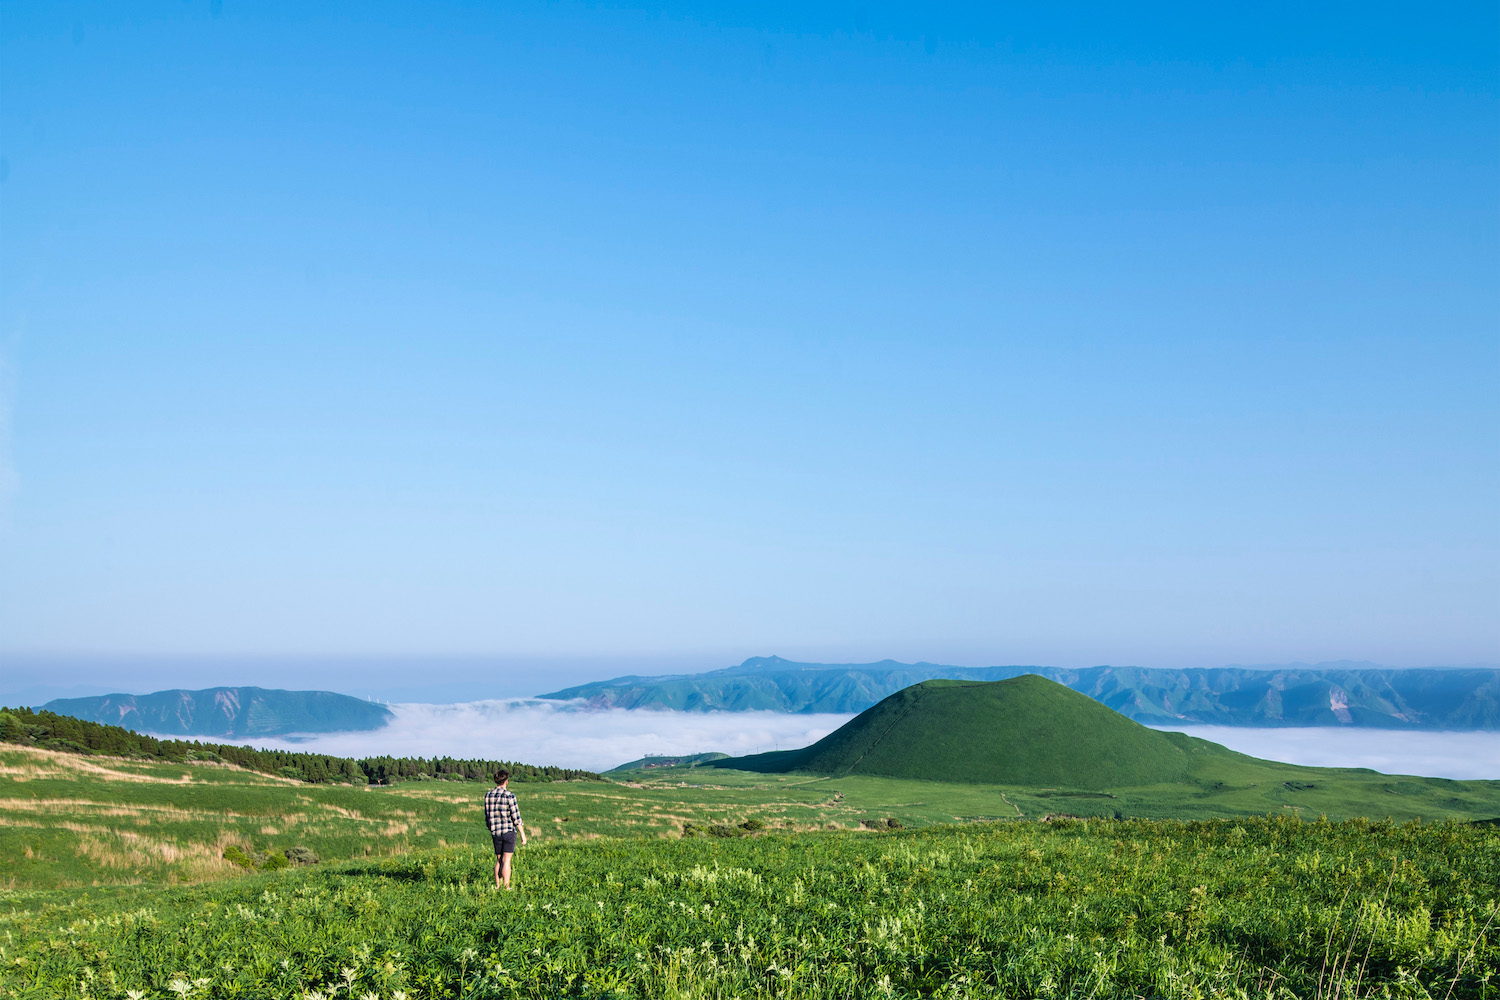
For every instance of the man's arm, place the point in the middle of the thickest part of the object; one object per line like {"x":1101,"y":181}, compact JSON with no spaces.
{"x":515,"y":814}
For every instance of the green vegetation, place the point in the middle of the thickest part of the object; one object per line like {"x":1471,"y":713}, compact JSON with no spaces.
{"x":1266,"y":908}
{"x":187,"y":879}
{"x":228,"y":711}
{"x":51,"y":731}
{"x":71,"y":820}
{"x":648,"y":762}
{"x":1047,"y":749}
{"x":1223,"y":696}
{"x":1023,"y":731}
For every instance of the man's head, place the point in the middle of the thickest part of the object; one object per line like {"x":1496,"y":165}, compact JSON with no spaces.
{"x":502,"y":776}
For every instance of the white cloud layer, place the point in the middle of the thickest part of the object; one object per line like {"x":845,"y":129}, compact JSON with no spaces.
{"x":561,"y":733}
{"x":1392,"y":751}
{"x":566,"y":734}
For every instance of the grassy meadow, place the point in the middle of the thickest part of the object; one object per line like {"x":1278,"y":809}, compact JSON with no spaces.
{"x":69,"y":821}
{"x":1076,"y":908}
{"x":116,"y":885}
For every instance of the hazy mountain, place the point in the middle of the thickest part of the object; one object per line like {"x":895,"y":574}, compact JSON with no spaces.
{"x":1318,"y":695}
{"x":228,"y":711}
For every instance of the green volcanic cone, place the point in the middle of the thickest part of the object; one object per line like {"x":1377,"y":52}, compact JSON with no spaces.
{"x":1025,"y":731}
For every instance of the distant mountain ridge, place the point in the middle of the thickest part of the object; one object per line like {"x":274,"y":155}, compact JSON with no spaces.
{"x":1319,"y":695}
{"x":228,"y":711}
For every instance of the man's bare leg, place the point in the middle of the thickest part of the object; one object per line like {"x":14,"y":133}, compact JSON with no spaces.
{"x":504,"y":868}
{"x":497,"y":873}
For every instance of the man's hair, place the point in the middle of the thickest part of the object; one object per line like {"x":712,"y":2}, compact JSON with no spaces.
{"x":501,"y":776}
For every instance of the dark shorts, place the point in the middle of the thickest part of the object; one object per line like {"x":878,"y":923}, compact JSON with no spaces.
{"x":505,"y":843}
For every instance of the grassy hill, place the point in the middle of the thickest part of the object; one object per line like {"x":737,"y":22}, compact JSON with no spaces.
{"x":1028,"y":747}
{"x":652,"y":761}
{"x":1025,"y":731}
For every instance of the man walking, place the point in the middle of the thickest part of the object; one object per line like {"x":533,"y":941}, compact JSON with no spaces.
{"x":504,"y":819}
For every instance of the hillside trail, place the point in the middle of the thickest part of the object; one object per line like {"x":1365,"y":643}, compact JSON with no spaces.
{"x":894,"y":723}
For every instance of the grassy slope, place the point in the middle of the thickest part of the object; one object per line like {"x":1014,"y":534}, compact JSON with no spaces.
{"x":1024,"y":731}
{"x":70,"y":820}
{"x":1103,"y":909}
{"x":67,"y":820}
{"x":1044,"y":748}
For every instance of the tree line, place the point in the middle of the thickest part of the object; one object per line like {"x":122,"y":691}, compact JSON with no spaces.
{"x":51,"y":731}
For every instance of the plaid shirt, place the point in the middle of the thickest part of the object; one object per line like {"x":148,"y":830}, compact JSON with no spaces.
{"x":500,"y":810}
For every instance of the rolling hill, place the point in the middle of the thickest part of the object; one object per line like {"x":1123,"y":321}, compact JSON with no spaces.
{"x":1336,"y":694}
{"x":1025,"y":731}
{"x":237,"y":712}
{"x":655,"y":760}
{"x":1031,"y":744}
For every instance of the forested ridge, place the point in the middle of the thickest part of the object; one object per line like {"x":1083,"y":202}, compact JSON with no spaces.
{"x":51,"y":731}
{"x":1318,"y":695}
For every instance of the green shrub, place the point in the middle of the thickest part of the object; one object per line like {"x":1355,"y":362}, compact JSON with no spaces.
{"x":753,"y":825}
{"x":301,"y":855}
{"x":12,"y":730}
{"x":233,"y":854}
{"x":720,"y":830}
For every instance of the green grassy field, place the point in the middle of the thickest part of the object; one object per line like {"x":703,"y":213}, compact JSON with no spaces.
{"x":1098,"y":908}
{"x":70,"y":821}
{"x":117,"y":887}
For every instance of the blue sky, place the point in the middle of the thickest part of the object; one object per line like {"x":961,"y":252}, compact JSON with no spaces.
{"x":564,"y":334}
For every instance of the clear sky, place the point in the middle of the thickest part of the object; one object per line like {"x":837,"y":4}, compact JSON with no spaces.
{"x":551,"y":333}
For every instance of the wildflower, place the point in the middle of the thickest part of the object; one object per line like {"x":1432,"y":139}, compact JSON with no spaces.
{"x":135,"y":995}
{"x":180,"y":986}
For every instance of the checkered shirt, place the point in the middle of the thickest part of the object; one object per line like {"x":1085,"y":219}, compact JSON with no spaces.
{"x":500,"y":810}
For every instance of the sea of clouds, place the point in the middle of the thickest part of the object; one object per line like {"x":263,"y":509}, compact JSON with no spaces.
{"x":570,"y":735}
{"x":1392,"y":751}
{"x":566,"y":734}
